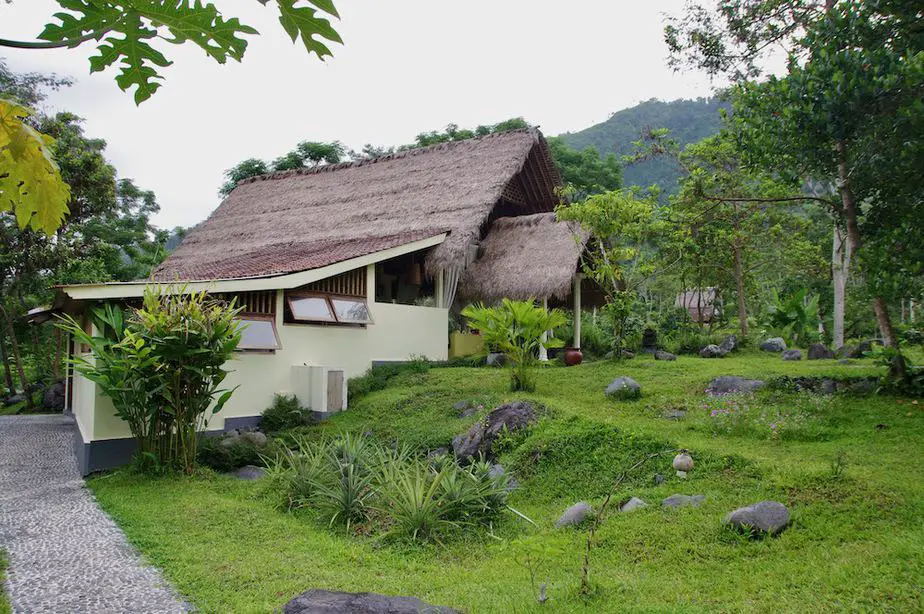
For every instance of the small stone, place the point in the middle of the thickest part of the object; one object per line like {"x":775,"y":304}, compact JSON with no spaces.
{"x":683,"y":462}
{"x":658,"y":479}
{"x":437,"y":453}
{"x":675,"y":501}
{"x":496,"y":359}
{"x":682,"y":475}
{"x":461,"y":405}
{"x":496,"y":471}
{"x":819,"y":351}
{"x":729,"y":343}
{"x":845,"y":361}
{"x":624,"y":388}
{"x":732,"y":384}
{"x":711,"y":351}
{"x":574,"y":515}
{"x":662,"y":355}
{"x":792,"y":354}
{"x":633,"y":504}
{"x":674,"y":414}
{"x":767,"y":517}
{"x":249,"y":473}
{"x":774,"y":344}
{"x":317,"y":601}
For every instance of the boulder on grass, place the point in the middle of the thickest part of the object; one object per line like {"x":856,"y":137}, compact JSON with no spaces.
{"x":819,"y":351}
{"x":774,"y":344}
{"x":729,"y":343}
{"x":766,"y":517}
{"x":732,"y":384}
{"x":711,"y":351}
{"x":683,"y":462}
{"x":847,"y":351}
{"x":633,"y":504}
{"x":792,"y":354}
{"x":574,"y":515}
{"x":624,"y":388}
{"x":479,"y":439}
{"x":317,"y":601}
{"x":662,"y":355}
{"x":53,"y":399}
{"x":675,"y":501}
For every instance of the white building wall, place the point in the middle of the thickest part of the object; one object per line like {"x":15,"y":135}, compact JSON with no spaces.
{"x":397,"y":333}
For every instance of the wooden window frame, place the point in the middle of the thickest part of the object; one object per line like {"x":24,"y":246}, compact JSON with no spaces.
{"x":329,"y":301}
{"x":265,"y":318}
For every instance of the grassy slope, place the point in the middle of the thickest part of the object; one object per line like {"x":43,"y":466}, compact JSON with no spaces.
{"x":856,"y":543}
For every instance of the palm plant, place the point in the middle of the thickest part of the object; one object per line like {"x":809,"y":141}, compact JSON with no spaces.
{"x":516,"y":328}
{"x":795,"y":317}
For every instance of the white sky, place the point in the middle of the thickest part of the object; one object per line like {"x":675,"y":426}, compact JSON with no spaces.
{"x":407,"y":66}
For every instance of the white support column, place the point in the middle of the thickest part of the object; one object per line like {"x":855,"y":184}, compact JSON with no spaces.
{"x":543,"y":353}
{"x":440,"y":284}
{"x":577,"y":310}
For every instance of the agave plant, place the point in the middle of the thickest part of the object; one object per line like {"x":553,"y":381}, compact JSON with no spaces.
{"x":516,"y":328}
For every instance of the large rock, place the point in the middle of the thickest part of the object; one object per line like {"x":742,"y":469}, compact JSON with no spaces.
{"x":479,"y":439}
{"x":711,"y":351}
{"x":624,"y":388}
{"x":467,"y":409}
{"x":792,"y":354}
{"x":13,"y":399}
{"x":729,"y":343}
{"x":649,"y":340}
{"x":574,"y":515}
{"x":254,"y":437}
{"x":732,"y":384}
{"x":318,"y":601}
{"x":633,"y":504}
{"x":675,"y":501}
{"x":662,"y":355}
{"x":774,"y":344}
{"x":53,"y":399}
{"x":249,"y":473}
{"x":847,"y":351}
{"x":764,"y":517}
{"x":819,"y":351}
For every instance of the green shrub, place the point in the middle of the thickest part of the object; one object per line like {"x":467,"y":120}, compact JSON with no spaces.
{"x":222,"y":454}
{"x":377,"y":377}
{"x":285,"y":413}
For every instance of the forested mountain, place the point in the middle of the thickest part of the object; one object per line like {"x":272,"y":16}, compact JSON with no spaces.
{"x":688,"y":122}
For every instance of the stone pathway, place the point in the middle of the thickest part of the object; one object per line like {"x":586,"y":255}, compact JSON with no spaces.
{"x":65,"y":554}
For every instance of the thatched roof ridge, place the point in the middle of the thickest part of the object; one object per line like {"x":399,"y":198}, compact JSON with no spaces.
{"x":532,"y":256}
{"x":295,"y":220}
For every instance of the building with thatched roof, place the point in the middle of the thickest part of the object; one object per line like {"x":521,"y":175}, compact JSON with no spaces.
{"x":346,"y":265}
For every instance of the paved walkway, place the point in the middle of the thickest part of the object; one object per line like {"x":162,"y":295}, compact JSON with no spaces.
{"x":65,"y":554}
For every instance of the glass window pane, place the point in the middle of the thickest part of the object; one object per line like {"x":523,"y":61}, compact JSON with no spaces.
{"x":351,"y":310}
{"x":311,"y":308}
{"x":257,"y":335}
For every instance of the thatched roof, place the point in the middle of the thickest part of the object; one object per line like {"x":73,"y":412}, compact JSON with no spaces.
{"x":531,"y":256}
{"x":298,"y":220}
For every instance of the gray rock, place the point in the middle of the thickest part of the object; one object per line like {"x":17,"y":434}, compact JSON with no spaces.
{"x":819,"y":351}
{"x":13,"y":399}
{"x":633,"y":504}
{"x":827,"y":386}
{"x":254,"y":437}
{"x":674,"y":414}
{"x":317,"y":601}
{"x":53,"y":399}
{"x":729,"y":343}
{"x":649,"y":340}
{"x":438,"y":452}
{"x":845,"y":361}
{"x":863,"y":386}
{"x":658,"y":479}
{"x":683,"y":462}
{"x":662,"y":355}
{"x":479,"y":439}
{"x":732,"y":384}
{"x":711,"y":351}
{"x":496,"y":359}
{"x":675,"y":501}
{"x":624,"y":388}
{"x":847,"y":351}
{"x":249,"y":472}
{"x":792,"y":354}
{"x":774,"y":344}
{"x":867,"y":346}
{"x":460,"y":406}
{"x":574,"y":515}
{"x":765,"y":517}
{"x":496,"y":471}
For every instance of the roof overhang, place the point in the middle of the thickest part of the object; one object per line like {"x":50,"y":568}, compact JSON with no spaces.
{"x":134,"y":289}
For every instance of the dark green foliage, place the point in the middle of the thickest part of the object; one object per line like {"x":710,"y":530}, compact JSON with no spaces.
{"x":221,"y":455}
{"x":376,"y":378}
{"x":587,"y":171}
{"x":687,"y":120}
{"x":285,"y":413}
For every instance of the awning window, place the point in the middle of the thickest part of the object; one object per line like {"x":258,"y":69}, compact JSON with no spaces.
{"x":328,"y":309}
{"x":258,"y":333}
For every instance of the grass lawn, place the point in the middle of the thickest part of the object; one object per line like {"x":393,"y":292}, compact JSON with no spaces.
{"x":4,"y":601}
{"x":12,"y":410}
{"x":856,"y":541}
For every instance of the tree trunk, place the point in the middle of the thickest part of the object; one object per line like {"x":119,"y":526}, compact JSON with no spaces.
{"x":739,"y":287}
{"x":7,"y":374}
{"x":840,"y":271}
{"x":17,"y":357}
{"x":853,"y":232}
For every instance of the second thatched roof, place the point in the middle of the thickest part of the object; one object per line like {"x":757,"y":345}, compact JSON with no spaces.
{"x":532,"y":256}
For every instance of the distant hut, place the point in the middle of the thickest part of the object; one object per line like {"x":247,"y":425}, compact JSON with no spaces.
{"x":701,"y":303}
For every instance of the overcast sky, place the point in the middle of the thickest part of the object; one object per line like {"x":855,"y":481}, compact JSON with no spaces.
{"x":407,"y":66}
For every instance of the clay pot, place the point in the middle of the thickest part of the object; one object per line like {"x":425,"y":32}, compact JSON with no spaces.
{"x":573,"y":356}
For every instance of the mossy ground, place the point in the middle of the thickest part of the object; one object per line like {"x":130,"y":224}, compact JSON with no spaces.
{"x":856,"y":541}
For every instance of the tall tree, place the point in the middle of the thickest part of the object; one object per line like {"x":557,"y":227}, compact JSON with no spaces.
{"x":585,"y":170}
